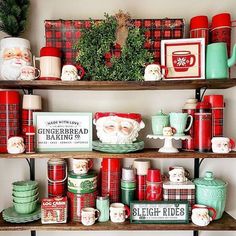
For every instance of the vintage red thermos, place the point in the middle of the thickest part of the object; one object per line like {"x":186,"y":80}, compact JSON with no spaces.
{"x":217,"y":106}
{"x":203,"y":127}
{"x":221,"y":29}
{"x":111,"y":178}
{"x":199,"y":28}
{"x":57,"y":178}
{"x":9,"y":117}
{"x":190,"y":108}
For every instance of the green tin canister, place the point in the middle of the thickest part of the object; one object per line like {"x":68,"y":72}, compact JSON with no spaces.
{"x":102,"y":204}
{"x":86,"y":183}
{"x":127,"y":191}
{"x":211,"y":192}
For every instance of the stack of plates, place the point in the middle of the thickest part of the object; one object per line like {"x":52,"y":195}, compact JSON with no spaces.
{"x":118,"y":148}
{"x":10,"y":215}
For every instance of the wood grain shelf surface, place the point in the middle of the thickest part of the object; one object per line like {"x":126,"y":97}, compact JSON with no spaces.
{"x":226,"y":223}
{"x":146,"y":153}
{"x":119,"y":85}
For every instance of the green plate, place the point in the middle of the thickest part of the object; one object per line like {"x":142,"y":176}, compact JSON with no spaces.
{"x":10,"y":215}
{"x":118,"y":148}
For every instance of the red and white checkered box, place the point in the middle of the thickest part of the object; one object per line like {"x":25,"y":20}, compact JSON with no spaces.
{"x":179,"y":191}
{"x":64,"y":34}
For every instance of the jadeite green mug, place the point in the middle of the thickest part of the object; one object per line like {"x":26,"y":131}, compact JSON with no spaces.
{"x":178,"y":121}
{"x":159,"y":121}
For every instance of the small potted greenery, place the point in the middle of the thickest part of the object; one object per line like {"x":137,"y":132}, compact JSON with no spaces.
{"x":14,"y":51}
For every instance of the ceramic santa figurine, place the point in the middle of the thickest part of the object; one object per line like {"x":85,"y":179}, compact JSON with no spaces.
{"x":70,"y":73}
{"x":177,"y":175}
{"x":14,"y":54}
{"x":118,"y":128}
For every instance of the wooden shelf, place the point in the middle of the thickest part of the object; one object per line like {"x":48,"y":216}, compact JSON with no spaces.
{"x":146,"y":153}
{"x":227,"y":222}
{"x":119,"y":85}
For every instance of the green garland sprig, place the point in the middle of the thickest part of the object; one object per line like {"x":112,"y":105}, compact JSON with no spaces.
{"x":98,"y":40}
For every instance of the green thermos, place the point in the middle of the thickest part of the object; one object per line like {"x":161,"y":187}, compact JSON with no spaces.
{"x":211,"y":192}
{"x":102,"y":204}
{"x":127,"y":191}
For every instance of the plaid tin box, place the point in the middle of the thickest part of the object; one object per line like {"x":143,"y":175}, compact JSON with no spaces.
{"x":179,"y":192}
{"x":64,"y":34}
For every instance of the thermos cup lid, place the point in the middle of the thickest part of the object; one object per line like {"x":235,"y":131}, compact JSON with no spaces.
{"x":191,"y":103}
{"x":216,"y":101}
{"x":219,"y":20}
{"x":32,"y":102}
{"x":199,"y":22}
{"x":154,"y":175}
{"x":9,"y":97}
{"x":50,"y":51}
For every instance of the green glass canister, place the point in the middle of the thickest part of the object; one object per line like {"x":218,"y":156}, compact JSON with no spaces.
{"x":211,"y":192}
{"x":102,"y":204}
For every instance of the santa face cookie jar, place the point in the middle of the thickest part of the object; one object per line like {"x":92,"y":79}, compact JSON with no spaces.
{"x":14,"y":54}
{"x":118,"y":128}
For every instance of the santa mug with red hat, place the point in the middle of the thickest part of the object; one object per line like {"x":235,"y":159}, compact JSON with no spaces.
{"x":118,"y":128}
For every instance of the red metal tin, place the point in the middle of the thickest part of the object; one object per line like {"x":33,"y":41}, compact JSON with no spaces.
{"x":111,"y":174}
{"x":141,"y":187}
{"x":57,"y":175}
{"x":78,"y":201}
{"x":9,"y":117}
{"x":203,"y":127}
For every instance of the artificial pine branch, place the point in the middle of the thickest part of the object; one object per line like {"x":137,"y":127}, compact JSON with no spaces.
{"x":13,"y":16}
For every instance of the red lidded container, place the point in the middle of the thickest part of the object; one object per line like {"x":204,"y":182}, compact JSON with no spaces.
{"x":9,"y":117}
{"x":217,"y":104}
{"x":203,"y":127}
{"x":50,"y":63}
{"x":154,"y":190}
{"x":199,"y":28}
{"x":57,"y":178}
{"x":111,"y":174}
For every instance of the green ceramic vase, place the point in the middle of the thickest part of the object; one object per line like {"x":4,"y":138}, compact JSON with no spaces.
{"x":211,"y":192}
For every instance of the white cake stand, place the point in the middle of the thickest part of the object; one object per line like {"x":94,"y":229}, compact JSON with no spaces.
{"x":168,"y":145}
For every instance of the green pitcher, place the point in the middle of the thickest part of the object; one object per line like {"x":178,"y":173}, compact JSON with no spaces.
{"x":211,"y":192}
{"x":217,"y":62}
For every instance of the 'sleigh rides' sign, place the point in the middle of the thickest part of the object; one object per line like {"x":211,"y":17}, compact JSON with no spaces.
{"x":63,"y":131}
{"x":159,"y":212}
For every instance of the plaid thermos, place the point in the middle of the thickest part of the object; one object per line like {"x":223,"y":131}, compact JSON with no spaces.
{"x":57,"y":177}
{"x":9,"y":117}
{"x":111,"y":179}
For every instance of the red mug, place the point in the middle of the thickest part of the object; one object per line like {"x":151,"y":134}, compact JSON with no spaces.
{"x":182,"y":60}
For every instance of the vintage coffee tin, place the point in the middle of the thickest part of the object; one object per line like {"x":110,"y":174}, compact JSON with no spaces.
{"x":78,"y":201}
{"x":86,"y":183}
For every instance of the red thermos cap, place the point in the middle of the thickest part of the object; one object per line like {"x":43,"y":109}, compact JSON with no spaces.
{"x":204,"y":105}
{"x":154,"y":175}
{"x":216,"y":101}
{"x":50,"y":51}
{"x":9,"y":97}
{"x":221,"y":20}
{"x":199,"y":22}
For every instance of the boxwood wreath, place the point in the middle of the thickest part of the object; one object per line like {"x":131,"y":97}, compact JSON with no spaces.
{"x":97,"y":50}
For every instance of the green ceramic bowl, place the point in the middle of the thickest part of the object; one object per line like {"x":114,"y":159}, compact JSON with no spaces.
{"x":25,"y":199}
{"x":25,"y":208}
{"x":24,"y":185}
{"x":29,"y":193}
